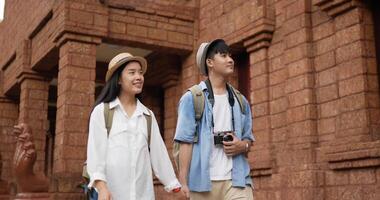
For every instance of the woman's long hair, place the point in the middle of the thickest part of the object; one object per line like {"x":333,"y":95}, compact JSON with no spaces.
{"x":111,"y":89}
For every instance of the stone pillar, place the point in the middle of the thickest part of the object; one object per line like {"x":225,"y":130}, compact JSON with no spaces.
{"x":33,"y":111}
{"x":260,"y":157}
{"x":4,"y":190}
{"x":265,"y":115}
{"x":76,"y":88}
{"x":354,"y":76}
{"x":300,"y":137}
{"x":349,"y":113}
{"x":170,"y":112}
{"x":170,"y":117}
{"x":8,"y":118}
{"x":164,"y":72}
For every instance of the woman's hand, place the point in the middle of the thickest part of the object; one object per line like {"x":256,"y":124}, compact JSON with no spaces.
{"x":103,"y":192}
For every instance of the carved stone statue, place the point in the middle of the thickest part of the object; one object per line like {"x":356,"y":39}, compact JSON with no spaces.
{"x":23,"y":161}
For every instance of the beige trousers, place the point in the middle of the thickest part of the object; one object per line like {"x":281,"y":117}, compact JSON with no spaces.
{"x":223,"y":190}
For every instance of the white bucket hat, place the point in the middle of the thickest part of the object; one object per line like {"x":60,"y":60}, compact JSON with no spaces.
{"x":121,"y":59}
{"x":201,"y":55}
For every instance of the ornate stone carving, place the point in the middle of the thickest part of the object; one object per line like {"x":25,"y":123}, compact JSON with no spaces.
{"x":23,"y":161}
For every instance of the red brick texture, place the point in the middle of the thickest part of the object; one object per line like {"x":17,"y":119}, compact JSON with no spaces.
{"x":33,"y":111}
{"x":9,"y":117}
{"x":76,"y":87}
{"x":311,"y":78}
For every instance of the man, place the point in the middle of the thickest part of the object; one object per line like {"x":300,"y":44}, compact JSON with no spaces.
{"x":213,"y":149}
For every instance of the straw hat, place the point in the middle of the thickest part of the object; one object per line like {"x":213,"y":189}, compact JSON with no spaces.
{"x":121,"y":59}
{"x":202,"y":53}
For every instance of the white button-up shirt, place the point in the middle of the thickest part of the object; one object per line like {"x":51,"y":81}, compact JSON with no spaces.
{"x":123,"y":160}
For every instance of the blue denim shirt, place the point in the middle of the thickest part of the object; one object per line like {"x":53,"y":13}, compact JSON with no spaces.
{"x":199,"y":172}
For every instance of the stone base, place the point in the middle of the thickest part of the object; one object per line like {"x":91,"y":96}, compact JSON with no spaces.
{"x":32,"y":196}
{"x":4,"y":191}
{"x":4,"y":197}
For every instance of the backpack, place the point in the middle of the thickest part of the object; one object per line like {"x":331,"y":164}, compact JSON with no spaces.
{"x":108,"y":118}
{"x":199,"y":105}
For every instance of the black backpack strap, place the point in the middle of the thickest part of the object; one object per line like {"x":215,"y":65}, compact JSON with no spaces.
{"x":239,"y":97}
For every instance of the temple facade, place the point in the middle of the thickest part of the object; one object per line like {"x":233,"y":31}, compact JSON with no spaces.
{"x":309,"y":68}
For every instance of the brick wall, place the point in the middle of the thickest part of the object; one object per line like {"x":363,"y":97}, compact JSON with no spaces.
{"x":309,"y":72}
{"x":310,"y":89}
{"x":9,"y":116}
{"x":26,"y":20}
{"x":33,"y":111}
{"x":76,"y":89}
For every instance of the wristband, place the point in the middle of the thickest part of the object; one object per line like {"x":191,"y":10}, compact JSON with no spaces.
{"x":175,"y":190}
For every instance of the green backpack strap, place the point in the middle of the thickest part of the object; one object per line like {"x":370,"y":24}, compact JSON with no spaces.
{"x":199,"y":105}
{"x":239,"y":97}
{"x":149,"y":126}
{"x":108,"y":116}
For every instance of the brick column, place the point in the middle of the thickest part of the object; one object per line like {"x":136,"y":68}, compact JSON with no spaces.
{"x":260,"y":157}
{"x":8,"y":118}
{"x":353,"y":79}
{"x":357,"y":76}
{"x":300,"y":181}
{"x":33,"y":111}
{"x":170,"y":120}
{"x":350,"y":114}
{"x":76,"y":88}
{"x":170,"y":113}
{"x":4,"y":190}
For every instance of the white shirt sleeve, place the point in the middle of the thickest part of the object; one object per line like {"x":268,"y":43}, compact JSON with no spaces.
{"x":161,"y":164}
{"x":97,"y":146}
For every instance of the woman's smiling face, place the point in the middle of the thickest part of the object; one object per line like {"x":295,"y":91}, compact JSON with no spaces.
{"x":132,"y":78}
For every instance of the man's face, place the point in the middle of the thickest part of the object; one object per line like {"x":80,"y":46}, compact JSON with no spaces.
{"x":221,"y":64}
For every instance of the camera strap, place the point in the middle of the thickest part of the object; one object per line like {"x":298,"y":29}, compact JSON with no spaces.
{"x":211,"y":99}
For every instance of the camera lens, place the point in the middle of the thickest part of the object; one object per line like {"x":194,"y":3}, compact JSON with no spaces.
{"x":228,"y":138}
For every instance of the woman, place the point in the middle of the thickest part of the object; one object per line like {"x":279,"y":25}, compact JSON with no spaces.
{"x":119,"y":162}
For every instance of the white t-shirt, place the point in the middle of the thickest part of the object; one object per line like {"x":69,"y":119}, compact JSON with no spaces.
{"x":220,"y":163}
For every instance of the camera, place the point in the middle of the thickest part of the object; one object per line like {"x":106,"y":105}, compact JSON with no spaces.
{"x":221,"y":136}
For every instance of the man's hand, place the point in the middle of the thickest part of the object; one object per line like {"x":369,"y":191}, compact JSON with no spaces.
{"x":185,"y":191}
{"x":234,"y":147}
